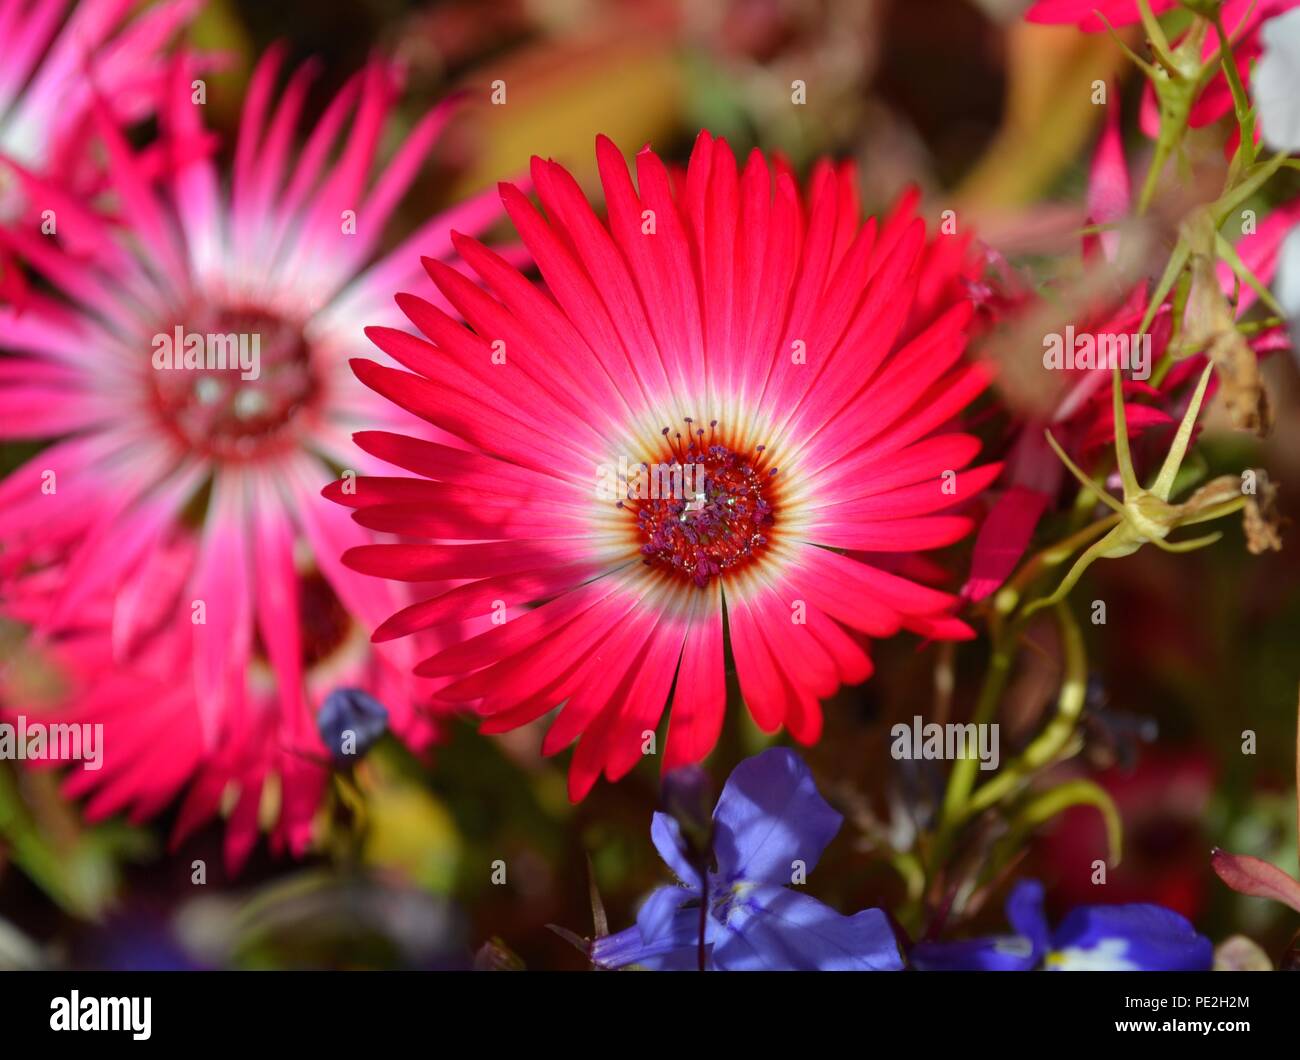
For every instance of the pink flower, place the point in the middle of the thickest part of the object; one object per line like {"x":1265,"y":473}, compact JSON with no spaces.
{"x":270,"y":763}
{"x":1241,"y":18}
{"x":176,"y":527}
{"x":54,"y":63}
{"x":743,"y":347}
{"x":55,"y":68}
{"x":1083,"y":421}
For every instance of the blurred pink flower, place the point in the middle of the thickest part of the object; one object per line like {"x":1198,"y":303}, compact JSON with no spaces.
{"x":56,"y":67}
{"x":270,"y":767}
{"x":1241,"y":18}
{"x":55,"y":63}
{"x":182,"y":493}
{"x":1083,"y":420}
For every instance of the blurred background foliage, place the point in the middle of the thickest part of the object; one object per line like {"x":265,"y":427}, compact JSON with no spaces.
{"x":990,"y":117}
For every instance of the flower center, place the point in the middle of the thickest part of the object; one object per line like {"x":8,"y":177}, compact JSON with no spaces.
{"x":325,"y":627}
{"x":325,"y":621}
{"x":705,"y":507}
{"x":231,"y":380}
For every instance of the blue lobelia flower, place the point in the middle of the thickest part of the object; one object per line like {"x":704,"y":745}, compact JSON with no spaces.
{"x":1099,"y":938}
{"x":770,"y":826}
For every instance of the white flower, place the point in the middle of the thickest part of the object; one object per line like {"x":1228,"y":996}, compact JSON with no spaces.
{"x":1287,"y":284}
{"x":1277,"y":82}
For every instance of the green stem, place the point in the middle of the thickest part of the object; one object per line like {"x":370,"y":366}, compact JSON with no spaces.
{"x":1005,"y":630}
{"x":962,"y":777}
{"x":1010,"y":595}
{"x":1256,"y":177}
{"x":1164,"y":148}
{"x":1043,"y":807}
{"x":1240,"y":100}
{"x":1056,"y":736}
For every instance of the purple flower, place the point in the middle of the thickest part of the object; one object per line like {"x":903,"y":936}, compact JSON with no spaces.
{"x":1112,"y":938}
{"x":769,"y":828}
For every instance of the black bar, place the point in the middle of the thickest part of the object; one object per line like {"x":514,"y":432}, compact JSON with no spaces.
{"x":545,"y":1011}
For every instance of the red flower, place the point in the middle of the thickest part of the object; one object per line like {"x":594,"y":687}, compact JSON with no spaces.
{"x":720,"y":331}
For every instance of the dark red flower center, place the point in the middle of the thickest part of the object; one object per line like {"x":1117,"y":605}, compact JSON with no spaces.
{"x":324,"y":623}
{"x":228,"y":381}
{"x":704,"y":507}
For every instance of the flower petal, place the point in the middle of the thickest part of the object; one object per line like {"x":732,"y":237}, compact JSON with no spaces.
{"x":657,"y":919}
{"x":673,"y":948}
{"x":770,"y":815}
{"x":777,"y":929}
{"x":1006,"y":953}
{"x":666,"y":834}
{"x":1025,"y":914}
{"x":1256,"y":878}
{"x":1137,"y":937}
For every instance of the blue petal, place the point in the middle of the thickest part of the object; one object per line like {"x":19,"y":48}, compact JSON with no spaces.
{"x":1010,"y":953}
{"x":627,"y":948}
{"x":666,"y":834}
{"x":1025,"y":914}
{"x":657,"y":917}
{"x":771,"y":928}
{"x":769,"y":816}
{"x":665,"y":938}
{"x":1138,"y":937}
{"x":619,"y":949}
{"x":1021,"y":952}
{"x":666,"y":935}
